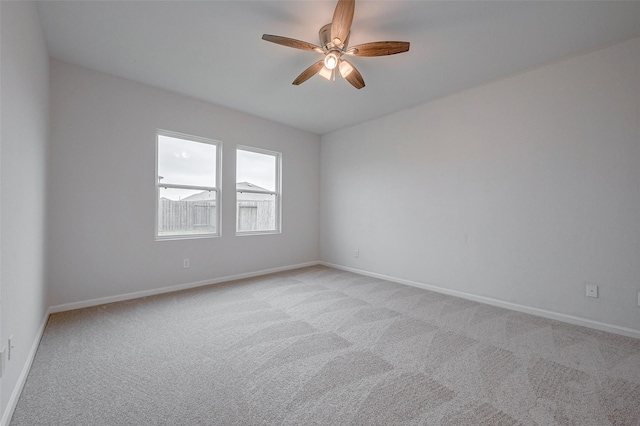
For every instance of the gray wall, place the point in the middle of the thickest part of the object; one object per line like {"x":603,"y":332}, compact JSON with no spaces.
{"x":24,"y":135}
{"x":102,"y":194}
{"x":522,"y":191}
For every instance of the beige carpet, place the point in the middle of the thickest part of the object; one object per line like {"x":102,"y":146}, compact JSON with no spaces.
{"x":326,"y":347}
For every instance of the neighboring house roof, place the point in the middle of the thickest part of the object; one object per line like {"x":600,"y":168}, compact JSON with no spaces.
{"x":251,"y":196}
{"x":248,"y":185}
{"x":243,"y":196}
{"x":200,"y":196}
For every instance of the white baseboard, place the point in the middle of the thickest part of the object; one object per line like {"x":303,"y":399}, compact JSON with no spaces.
{"x":138,"y":294}
{"x":22,"y":379}
{"x":585,"y":322}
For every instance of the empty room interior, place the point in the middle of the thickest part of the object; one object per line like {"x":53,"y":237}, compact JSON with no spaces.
{"x":438,"y":222}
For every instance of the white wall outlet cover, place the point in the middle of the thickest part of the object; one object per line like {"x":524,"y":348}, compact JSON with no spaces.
{"x":9,"y":347}
{"x":2,"y":351}
{"x":185,"y":263}
{"x":592,"y":290}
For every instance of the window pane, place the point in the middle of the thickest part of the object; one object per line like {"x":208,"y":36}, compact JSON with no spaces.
{"x":186,"y":211}
{"x":257,"y":169}
{"x":185,"y":162}
{"x":256,"y":212}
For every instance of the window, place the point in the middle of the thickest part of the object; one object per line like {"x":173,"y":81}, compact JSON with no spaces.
{"x":187,"y":186}
{"x":257,"y":191}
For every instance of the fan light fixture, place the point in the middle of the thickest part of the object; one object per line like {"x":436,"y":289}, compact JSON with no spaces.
{"x":326,"y":73}
{"x":345,"y":68}
{"x":331,"y":60}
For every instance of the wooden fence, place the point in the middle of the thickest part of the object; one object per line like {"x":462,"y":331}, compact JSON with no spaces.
{"x":186,"y":217}
{"x":256,"y":215}
{"x":199,"y":217}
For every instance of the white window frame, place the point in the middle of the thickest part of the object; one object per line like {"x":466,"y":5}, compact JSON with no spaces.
{"x":277,"y":192}
{"x":216,"y":189}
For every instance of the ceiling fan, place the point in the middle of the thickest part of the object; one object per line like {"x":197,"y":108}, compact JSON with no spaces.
{"x":334,"y":40}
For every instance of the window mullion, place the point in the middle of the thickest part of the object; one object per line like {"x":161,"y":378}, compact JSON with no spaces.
{"x":256,"y":191}
{"x":194,"y":187}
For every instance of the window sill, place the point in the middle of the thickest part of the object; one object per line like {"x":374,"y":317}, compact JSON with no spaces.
{"x":249,"y":233}
{"x":185,"y":237}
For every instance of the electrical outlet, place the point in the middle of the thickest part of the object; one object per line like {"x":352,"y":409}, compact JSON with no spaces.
{"x":10,"y":347}
{"x":2,"y":351}
{"x":592,"y":290}
{"x":185,"y":263}
{"x":356,"y":253}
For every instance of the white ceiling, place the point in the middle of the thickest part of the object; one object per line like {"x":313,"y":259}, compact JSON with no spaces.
{"x":212,"y":50}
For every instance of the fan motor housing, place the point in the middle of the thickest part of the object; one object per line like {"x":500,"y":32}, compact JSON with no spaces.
{"x":325,"y":38}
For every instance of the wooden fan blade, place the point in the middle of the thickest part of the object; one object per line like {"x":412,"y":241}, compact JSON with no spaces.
{"x":290,"y":42}
{"x":341,"y":22}
{"x":379,"y":48}
{"x":308,"y":73}
{"x":352,"y":75}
